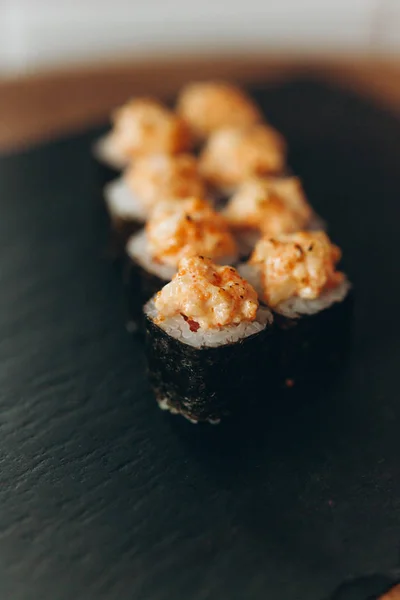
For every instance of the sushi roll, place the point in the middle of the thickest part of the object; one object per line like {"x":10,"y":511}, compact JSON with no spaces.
{"x":296,"y":277}
{"x":268,"y":206}
{"x":232,"y":155}
{"x":207,"y":342}
{"x":174,"y":231}
{"x":209,"y":105}
{"x":149,"y":180}
{"x":141,"y":126}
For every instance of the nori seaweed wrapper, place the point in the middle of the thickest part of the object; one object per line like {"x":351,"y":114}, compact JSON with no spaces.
{"x":105,"y":173}
{"x":313,"y":347}
{"x":208,"y":384}
{"x":139,"y":286}
{"x":121,"y":231}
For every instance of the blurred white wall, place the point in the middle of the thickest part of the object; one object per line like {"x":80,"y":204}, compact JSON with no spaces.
{"x":36,"y":34}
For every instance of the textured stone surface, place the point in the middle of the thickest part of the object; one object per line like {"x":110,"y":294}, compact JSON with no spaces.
{"x":102,"y":495}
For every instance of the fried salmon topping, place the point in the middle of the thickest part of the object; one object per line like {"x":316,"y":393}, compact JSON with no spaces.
{"x":158,"y":177}
{"x":145,"y":126}
{"x":207,"y":295}
{"x":299,"y":264}
{"x":232,"y":155}
{"x":180,"y":229}
{"x":271,"y":205}
{"x":207,"y":106}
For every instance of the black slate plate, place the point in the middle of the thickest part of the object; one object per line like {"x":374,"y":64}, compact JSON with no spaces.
{"x":102,"y":495}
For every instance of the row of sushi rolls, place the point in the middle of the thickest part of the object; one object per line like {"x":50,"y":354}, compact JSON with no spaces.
{"x":228,"y":270}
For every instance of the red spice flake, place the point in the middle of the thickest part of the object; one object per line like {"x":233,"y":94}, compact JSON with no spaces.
{"x":193,"y":325}
{"x":289,"y":383}
{"x":331,"y":503}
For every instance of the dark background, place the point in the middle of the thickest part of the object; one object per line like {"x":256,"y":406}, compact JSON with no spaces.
{"x":102,"y":495}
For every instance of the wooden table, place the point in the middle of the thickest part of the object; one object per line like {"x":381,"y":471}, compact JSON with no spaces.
{"x":40,"y":106}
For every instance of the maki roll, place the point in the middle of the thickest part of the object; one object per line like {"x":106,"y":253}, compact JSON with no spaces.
{"x":207,"y":341}
{"x":295,"y":275}
{"x":268,"y":206}
{"x":209,"y":105}
{"x":150,"y":179}
{"x":174,"y":231}
{"x":232,"y":155}
{"x":141,"y":126}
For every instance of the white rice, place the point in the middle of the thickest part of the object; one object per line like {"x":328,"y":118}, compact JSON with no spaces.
{"x":121,"y":201}
{"x":179,"y":329}
{"x":164,"y":404}
{"x":104,"y":151}
{"x":137,"y":250}
{"x":295,"y":307}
